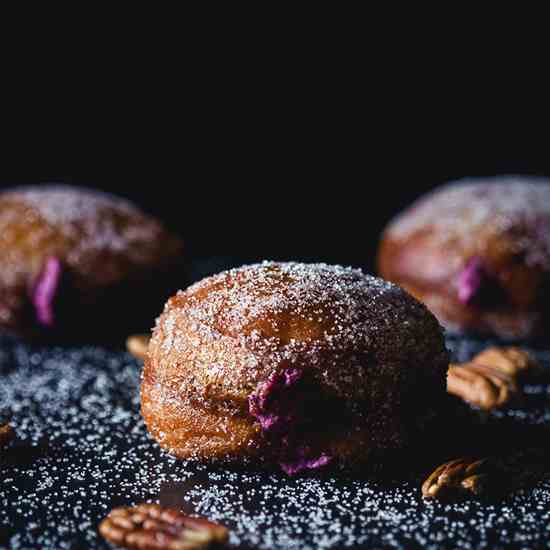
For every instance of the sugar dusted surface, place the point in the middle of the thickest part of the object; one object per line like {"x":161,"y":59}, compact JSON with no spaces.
{"x":356,"y":337}
{"x":295,"y":313}
{"x":61,"y":204}
{"x":460,"y":211}
{"x":258,"y":290}
{"x":82,"y":449}
{"x":89,"y":219}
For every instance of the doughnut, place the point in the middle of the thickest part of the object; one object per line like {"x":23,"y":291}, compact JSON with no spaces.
{"x":290,"y":365}
{"x":477,"y":253}
{"x":69,"y":253}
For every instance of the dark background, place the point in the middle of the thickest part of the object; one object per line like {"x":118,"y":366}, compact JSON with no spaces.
{"x":262,"y":148}
{"x":295,"y":178}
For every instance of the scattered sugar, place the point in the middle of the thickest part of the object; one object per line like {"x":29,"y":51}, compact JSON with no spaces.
{"x":82,"y":449}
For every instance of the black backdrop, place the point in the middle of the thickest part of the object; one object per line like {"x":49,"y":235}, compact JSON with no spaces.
{"x":303,"y":191}
{"x":302,"y":153}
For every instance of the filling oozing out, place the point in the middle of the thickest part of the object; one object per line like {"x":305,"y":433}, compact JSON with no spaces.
{"x":45,"y":291}
{"x":476,"y":285}
{"x":287,"y":414}
{"x":470,"y":280}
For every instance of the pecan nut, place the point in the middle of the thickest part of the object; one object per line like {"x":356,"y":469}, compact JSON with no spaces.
{"x":137,"y":345}
{"x":6,"y":431}
{"x":491,"y":378}
{"x":480,"y":385}
{"x":6,"y":434}
{"x":488,"y":477}
{"x":153,"y":527}
{"x":456,"y":476}
{"x":511,"y":361}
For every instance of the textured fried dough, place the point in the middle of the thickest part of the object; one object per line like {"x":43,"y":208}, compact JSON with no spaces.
{"x":101,"y":243}
{"x":356,"y":362}
{"x":477,"y":253}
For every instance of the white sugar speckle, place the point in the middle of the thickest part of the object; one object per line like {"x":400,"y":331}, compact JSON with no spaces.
{"x":82,"y":449}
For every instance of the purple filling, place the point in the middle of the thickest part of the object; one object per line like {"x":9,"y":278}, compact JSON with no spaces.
{"x":45,"y":291}
{"x":471,"y":280}
{"x":282,"y":412}
{"x":272,"y":406}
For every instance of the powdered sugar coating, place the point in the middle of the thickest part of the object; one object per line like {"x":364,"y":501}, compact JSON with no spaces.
{"x":287,"y":304}
{"x":64,"y":204}
{"x":463,"y":212}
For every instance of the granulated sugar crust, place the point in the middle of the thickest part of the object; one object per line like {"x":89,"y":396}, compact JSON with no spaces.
{"x":360,"y":340}
{"x":314,"y":315}
{"x":82,"y":449}
{"x":89,"y":220}
{"x":97,"y":238}
{"x":463,"y":211}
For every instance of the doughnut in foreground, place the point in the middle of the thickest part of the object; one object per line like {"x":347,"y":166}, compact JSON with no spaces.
{"x":301,"y":365}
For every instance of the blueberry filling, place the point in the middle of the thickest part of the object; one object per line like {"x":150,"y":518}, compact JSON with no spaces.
{"x":45,"y":290}
{"x":289,"y":415}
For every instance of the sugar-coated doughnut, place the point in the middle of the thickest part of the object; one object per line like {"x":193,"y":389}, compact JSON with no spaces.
{"x":301,"y":365}
{"x":477,"y":253}
{"x":67,"y":250}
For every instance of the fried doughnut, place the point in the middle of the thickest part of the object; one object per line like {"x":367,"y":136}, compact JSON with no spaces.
{"x":301,"y":365}
{"x":68,"y":251}
{"x":477,"y":253}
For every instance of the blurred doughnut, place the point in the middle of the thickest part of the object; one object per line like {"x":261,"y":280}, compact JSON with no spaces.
{"x":477,"y":253}
{"x":68,"y":253}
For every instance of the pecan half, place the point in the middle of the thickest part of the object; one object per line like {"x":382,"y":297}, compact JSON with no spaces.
{"x":480,"y":385}
{"x":488,"y":477}
{"x":137,"y":345}
{"x":6,"y":434}
{"x":6,"y":431}
{"x":450,"y":477}
{"x":491,"y":378}
{"x":153,"y":527}
{"x":512,"y":361}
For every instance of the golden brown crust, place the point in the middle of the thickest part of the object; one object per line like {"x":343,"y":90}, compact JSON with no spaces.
{"x":505,"y":224}
{"x":365,"y":347}
{"x":187,"y":429}
{"x":457,"y":317}
{"x":100,"y":240}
